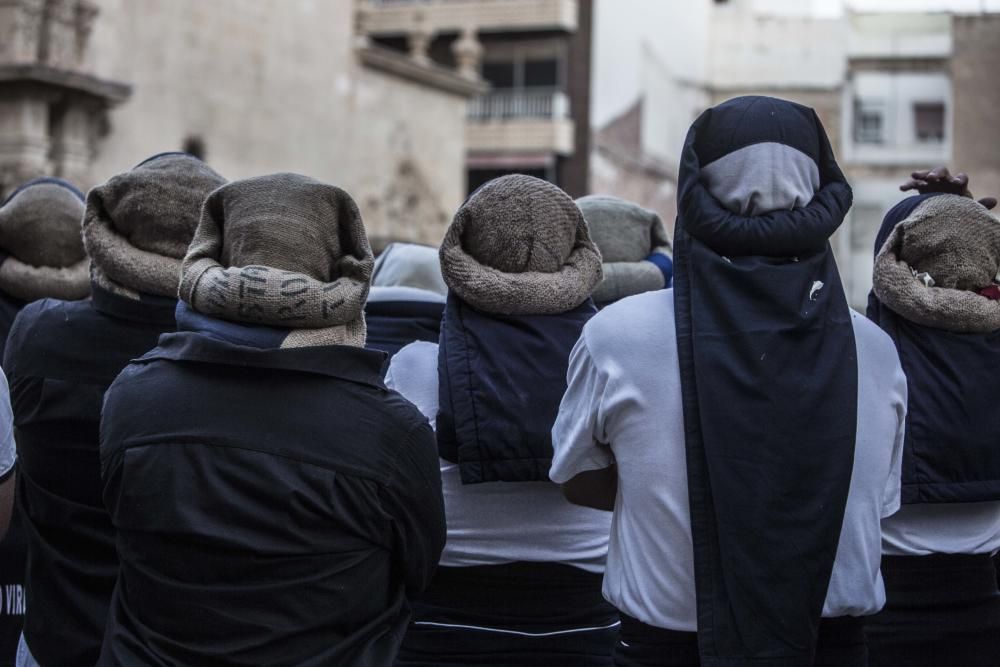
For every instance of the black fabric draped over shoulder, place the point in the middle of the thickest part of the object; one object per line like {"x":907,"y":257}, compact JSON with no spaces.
{"x":950,"y":452}
{"x":769,"y":388}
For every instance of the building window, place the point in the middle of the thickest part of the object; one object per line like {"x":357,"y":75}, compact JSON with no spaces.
{"x":928,"y":121}
{"x":869,"y":124}
{"x":500,"y":74}
{"x":541,"y":73}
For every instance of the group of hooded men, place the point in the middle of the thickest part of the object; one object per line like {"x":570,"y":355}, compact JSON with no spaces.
{"x":558,"y":439}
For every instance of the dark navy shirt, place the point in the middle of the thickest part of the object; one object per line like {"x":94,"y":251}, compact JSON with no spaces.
{"x":272,"y":506}
{"x":60,"y":358}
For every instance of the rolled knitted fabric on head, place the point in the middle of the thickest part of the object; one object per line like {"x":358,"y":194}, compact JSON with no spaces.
{"x":286,"y":251}
{"x":40,"y":236}
{"x":520,"y":246}
{"x":634,"y":247}
{"x":954,"y":242}
{"x":138,"y":224}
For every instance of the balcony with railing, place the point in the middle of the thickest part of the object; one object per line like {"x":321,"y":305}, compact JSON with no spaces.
{"x":520,"y":120}
{"x":400,"y":16}
{"x":519,"y":104}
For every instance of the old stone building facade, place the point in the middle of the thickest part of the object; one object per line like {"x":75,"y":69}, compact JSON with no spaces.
{"x":51,"y":105}
{"x":973,"y":68}
{"x":536,"y":56}
{"x":91,"y":87}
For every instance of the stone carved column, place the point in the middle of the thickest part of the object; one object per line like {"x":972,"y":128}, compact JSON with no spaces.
{"x":20,"y":31}
{"x":468,"y":53}
{"x":86,"y":14}
{"x":24,"y":139}
{"x":361,"y":39}
{"x":59,"y":34}
{"x":419,"y":39}
{"x":72,"y":142}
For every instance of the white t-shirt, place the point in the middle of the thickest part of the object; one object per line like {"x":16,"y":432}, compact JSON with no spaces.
{"x":947,"y":528}
{"x":8,"y":454}
{"x":500,"y":522}
{"x":623,"y":404}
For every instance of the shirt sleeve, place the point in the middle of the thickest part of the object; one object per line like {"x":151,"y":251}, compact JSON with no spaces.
{"x":578,"y":439}
{"x":413,"y":373}
{"x":414,"y":500}
{"x":891,"y":498}
{"x":7,"y":453}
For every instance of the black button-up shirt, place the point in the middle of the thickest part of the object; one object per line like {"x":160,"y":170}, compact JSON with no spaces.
{"x":60,"y":358}
{"x":273,"y":506}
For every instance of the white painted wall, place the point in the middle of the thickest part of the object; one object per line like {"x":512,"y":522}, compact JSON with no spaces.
{"x":652,"y":49}
{"x":750,"y":49}
{"x":274,"y":85}
{"x":896,"y":93}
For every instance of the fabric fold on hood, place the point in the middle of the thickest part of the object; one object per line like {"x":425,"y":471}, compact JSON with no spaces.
{"x":948,"y":339}
{"x":635,"y":250}
{"x":283,"y":251}
{"x":520,"y":267}
{"x":769,"y":381}
{"x":138,"y":224}
{"x":41,"y":252}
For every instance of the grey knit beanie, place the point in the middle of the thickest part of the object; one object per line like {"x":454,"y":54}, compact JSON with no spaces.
{"x":138,"y":224}
{"x":282,"y":250}
{"x":934,"y":262}
{"x":520,"y":246}
{"x":40,"y":234}
{"x":628,"y":236}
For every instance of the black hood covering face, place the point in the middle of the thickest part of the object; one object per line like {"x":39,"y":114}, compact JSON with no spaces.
{"x":769,"y":389}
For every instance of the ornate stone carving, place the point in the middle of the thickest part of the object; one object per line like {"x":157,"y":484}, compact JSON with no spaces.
{"x":468,"y":53}
{"x":419,"y":39}
{"x":58,"y":44}
{"x":86,"y":14}
{"x":20,"y":30}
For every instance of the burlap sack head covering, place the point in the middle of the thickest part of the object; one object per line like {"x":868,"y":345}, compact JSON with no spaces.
{"x":933,"y":263}
{"x":629,"y":238}
{"x":40,"y":236}
{"x":282,"y":250}
{"x":138,"y":223}
{"x":520,"y":246}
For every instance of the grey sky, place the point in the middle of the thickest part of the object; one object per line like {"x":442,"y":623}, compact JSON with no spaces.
{"x":626,"y":27}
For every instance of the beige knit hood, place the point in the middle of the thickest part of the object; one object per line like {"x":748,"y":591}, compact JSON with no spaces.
{"x":936,"y":260}
{"x":138,"y":224}
{"x":629,"y":237}
{"x":282,"y":250}
{"x":520,"y":246}
{"x":40,"y":236}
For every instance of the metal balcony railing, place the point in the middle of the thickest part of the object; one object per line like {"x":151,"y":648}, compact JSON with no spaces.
{"x":397,"y":3}
{"x":526,"y":103}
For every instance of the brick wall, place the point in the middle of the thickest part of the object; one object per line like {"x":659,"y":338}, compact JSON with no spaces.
{"x":976,"y":84}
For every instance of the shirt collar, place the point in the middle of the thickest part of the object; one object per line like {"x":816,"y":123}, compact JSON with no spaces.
{"x":148,"y":308}
{"x":339,"y":361}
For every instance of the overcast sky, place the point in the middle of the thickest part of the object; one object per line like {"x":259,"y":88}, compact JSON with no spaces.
{"x":913,"y":5}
